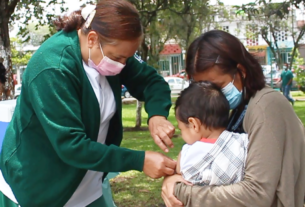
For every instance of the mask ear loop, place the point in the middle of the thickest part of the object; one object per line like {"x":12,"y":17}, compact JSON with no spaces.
{"x":233,"y":79}
{"x":245,"y":93}
{"x":102,"y":50}
{"x":244,"y":85}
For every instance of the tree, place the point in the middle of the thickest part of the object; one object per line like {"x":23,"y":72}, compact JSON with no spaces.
{"x":189,"y":24}
{"x":19,"y":57}
{"x":272,"y":19}
{"x":24,"y":11}
{"x":298,"y":67}
{"x":163,"y":20}
{"x":36,"y":34}
{"x":297,"y":34}
{"x":148,"y":11}
{"x":157,"y":24}
{"x":268,"y":23}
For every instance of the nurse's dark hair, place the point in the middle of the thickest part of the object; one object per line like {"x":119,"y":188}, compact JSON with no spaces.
{"x":205,"y":101}
{"x":114,"y":20}
{"x":220,"y":48}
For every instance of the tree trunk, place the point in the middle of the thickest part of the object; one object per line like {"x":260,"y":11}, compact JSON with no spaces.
{"x":138,"y":115}
{"x":296,"y":45}
{"x":144,"y":53}
{"x":7,"y":89}
{"x":279,"y":59}
{"x":190,"y":29}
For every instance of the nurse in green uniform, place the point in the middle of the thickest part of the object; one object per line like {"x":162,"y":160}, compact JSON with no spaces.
{"x":65,"y":134}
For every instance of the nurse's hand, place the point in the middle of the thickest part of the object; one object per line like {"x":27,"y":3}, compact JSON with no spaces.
{"x":157,"y":165}
{"x":161,"y":131}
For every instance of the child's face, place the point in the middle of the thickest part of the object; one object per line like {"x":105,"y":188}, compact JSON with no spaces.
{"x":189,"y":132}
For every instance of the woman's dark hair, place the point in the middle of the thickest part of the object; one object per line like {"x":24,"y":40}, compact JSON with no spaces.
{"x":2,"y":73}
{"x":205,"y":101}
{"x":114,"y":19}
{"x":220,"y":48}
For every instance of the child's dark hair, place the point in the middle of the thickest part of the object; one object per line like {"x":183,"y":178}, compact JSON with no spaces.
{"x":2,"y":73}
{"x":205,"y":101}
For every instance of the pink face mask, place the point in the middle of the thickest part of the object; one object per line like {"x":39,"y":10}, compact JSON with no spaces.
{"x":106,"y":67}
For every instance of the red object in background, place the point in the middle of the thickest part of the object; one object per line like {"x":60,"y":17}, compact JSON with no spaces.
{"x":170,"y":49}
{"x":181,"y":74}
{"x":276,"y":79}
{"x":15,"y":79}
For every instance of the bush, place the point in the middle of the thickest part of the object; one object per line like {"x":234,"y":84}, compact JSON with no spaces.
{"x":299,"y":69}
{"x":300,"y":78}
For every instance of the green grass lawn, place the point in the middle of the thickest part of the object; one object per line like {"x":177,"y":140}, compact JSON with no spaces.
{"x":134,"y":189}
{"x":299,"y":108}
{"x":298,"y":94}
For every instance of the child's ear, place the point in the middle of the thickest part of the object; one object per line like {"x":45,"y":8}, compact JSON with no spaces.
{"x":194,"y":123}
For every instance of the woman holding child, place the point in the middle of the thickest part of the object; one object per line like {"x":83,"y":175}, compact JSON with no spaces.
{"x":275,"y":166}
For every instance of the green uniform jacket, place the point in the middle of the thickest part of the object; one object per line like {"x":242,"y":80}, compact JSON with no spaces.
{"x":51,"y":141}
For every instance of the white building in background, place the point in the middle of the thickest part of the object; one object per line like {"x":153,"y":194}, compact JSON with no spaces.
{"x":248,"y":33}
{"x":171,"y":59}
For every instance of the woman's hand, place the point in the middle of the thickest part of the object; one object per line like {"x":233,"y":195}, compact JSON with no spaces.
{"x":161,"y":131}
{"x":168,"y":190}
{"x":157,"y":165}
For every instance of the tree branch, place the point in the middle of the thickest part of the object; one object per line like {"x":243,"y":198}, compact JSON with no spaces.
{"x":265,"y":37}
{"x":12,"y":7}
{"x":150,"y":12}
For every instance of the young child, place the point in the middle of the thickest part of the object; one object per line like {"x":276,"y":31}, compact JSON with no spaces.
{"x":212,"y":155}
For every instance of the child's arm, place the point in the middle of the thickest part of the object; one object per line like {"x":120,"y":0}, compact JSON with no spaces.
{"x":178,"y":164}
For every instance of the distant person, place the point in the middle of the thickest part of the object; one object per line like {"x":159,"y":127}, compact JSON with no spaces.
{"x":286,"y":78}
{"x":212,"y":155}
{"x":2,"y":74}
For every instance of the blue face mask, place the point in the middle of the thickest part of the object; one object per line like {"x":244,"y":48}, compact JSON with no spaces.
{"x":233,"y":95}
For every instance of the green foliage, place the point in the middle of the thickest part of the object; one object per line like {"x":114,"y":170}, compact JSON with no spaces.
{"x":164,"y":20}
{"x":188,"y":25}
{"x":265,"y":8}
{"x":37,"y":34}
{"x":273,"y":18}
{"x":153,"y":28}
{"x":32,"y":10}
{"x":298,"y":66}
{"x":299,"y":110}
{"x":19,"y":58}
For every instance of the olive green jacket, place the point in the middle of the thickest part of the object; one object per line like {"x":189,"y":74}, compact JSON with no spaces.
{"x":51,"y":140}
